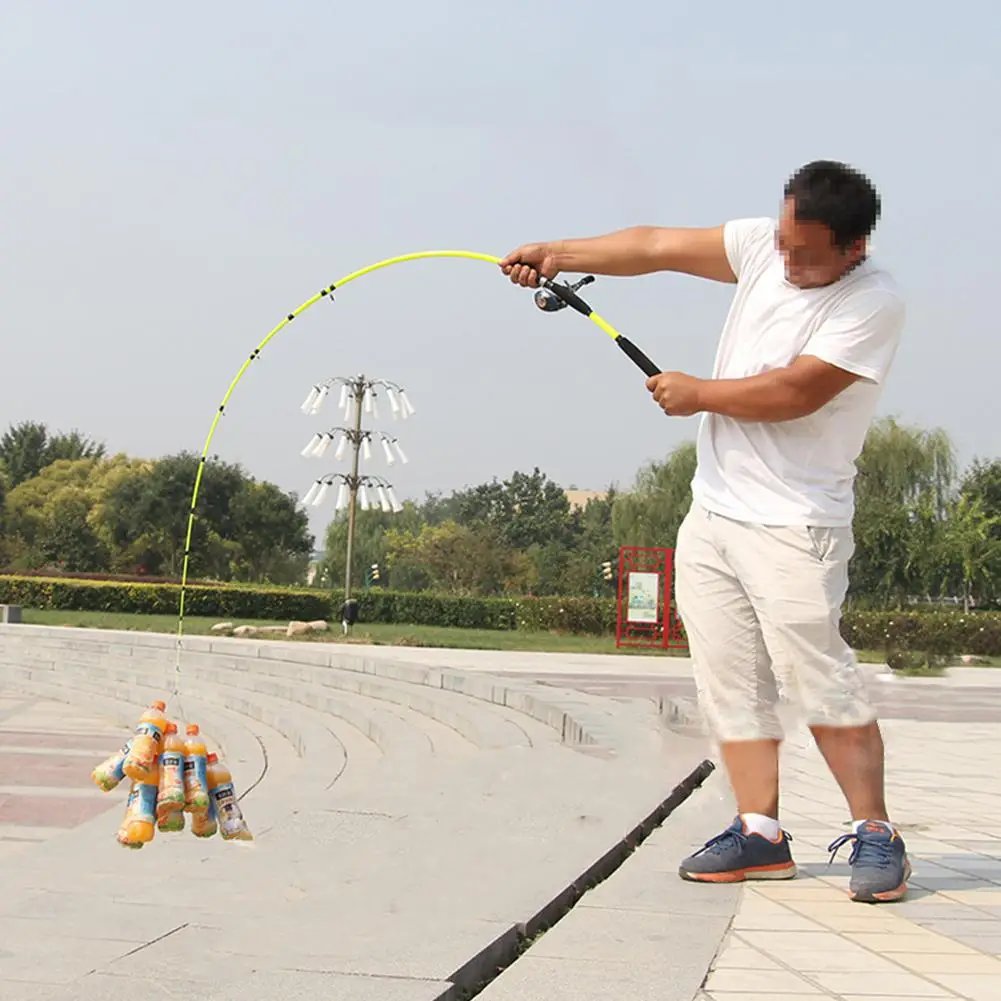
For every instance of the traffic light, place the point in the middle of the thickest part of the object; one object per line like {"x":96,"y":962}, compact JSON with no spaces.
{"x":606,"y":570}
{"x":375,"y":573}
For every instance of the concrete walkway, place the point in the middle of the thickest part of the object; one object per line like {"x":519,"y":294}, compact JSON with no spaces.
{"x":422,"y":822}
{"x":804,"y":939}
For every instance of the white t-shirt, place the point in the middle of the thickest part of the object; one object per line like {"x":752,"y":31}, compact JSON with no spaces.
{"x":799,"y":472}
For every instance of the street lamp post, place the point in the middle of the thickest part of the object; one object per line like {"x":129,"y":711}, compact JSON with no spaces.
{"x":357,"y":395}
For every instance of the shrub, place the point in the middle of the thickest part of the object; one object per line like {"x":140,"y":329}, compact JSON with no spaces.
{"x":940,"y":632}
{"x":583,"y":616}
{"x":223,"y":601}
{"x":426,"y":609}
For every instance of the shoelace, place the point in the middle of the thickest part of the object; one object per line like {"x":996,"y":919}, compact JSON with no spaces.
{"x":729,"y":837}
{"x":870,"y":852}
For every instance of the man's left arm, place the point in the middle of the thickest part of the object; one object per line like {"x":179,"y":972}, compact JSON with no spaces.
{"x":856,"y":343}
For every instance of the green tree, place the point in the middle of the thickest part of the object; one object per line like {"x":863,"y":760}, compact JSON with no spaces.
{"x":903,"y":489}
{"x":243,"y":530}
{"x":46,"y":519}
{"x":27,"y":448}
{"x":652,"y":513}
{"x":982,"y":481}
{"x":525,"y":510}
{"x":369,"y":544}
{"x":272,"y":533}
{"x":903,"y":464}
{"x":973,"y":548}
{"x":457,"y":559}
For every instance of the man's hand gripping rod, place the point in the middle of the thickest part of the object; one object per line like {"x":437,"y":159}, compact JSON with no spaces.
{"x":554,"y":296}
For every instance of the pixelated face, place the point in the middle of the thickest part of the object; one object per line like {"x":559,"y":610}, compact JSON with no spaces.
{"x":812,"y":258}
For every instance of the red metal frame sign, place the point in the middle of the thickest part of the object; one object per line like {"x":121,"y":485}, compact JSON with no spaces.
{"x":647,"y":616}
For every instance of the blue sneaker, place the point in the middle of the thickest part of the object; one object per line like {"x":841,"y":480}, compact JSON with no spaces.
{"x":736,"y":855}
{"x":880,"y":867}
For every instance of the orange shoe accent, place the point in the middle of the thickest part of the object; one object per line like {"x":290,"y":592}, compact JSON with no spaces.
{"x":780,"y":870}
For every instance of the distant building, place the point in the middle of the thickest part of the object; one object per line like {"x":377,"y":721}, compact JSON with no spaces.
{"x":578,"y":498}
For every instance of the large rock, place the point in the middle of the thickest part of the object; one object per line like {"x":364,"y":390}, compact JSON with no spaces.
{"x":245,"y":631}
{"x":319,"y":626}
{"x":223,"y":627}
{"x":298,"y":628}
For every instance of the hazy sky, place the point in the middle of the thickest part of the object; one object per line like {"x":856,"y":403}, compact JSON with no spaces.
{"x":176,"y":180}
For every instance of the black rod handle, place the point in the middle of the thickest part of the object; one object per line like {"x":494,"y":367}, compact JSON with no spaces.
{"x":637,"y":356}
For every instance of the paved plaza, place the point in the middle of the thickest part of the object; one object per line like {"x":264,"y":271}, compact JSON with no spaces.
{"x":441,"y":824}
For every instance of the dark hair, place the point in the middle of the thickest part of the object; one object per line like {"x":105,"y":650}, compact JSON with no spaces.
{"x":840,"y":197}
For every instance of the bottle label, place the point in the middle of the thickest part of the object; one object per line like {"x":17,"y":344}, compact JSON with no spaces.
{"x":116,"y":769}
{"x":230,"y":815}
{"x":195,"y":774}
{"x":130,"y":806}
{"x":171,"y":760}
{"x":144,"y":807}
{"x":150,"y":730}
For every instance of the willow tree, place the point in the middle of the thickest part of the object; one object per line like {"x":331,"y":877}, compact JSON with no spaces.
{"x":651,"y":514}
{"x":904,"y":491}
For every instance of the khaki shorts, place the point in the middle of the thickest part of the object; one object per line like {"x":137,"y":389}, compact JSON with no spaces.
{"x":762,"y":607}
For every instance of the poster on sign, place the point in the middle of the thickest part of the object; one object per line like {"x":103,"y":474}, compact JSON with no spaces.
{"x":646,"y":616}
{"x":644,"y":597}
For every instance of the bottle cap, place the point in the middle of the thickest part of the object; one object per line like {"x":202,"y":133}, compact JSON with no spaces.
{"x":192,"y":730}
{"x":160,"y":705}
{"x":171,"y":728}
{"x":212,"y":758}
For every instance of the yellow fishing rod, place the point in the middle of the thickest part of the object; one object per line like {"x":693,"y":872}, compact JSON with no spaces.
{"x":550,"y":297}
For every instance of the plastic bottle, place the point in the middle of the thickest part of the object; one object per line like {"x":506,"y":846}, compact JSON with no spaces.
{"x":142,"y":757}
{"x":196,"y":790}
{"x":205,"y":825}
{"x":111,"y":771}
{"x":169,"y":820}
{"x":171,"y":793}
{"x":232,"y":826}
{"x":123,"y":830}
{"x":142,"y":823}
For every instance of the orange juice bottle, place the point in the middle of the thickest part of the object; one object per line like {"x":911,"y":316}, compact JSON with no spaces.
{"x":142,"y":823}
{"x":196,"y":790}
{"x":169,"y":820}
{"x":204,"y":825}
{"x":123,"y":830}
{"x":111,"y":771}
{"x":141,"y":759}
{"x":171,"y":793}
{"x":232,"y":826}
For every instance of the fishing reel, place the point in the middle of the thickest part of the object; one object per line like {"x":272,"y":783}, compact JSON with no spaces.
{"x":554,"y":296}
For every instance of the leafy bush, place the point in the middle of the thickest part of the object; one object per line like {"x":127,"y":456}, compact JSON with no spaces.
{"x":423,"y":608}
{"x":937,"y":635}
{"x":224,"y":601}
{"x":941,"y":632}
{"x":583,"y":616}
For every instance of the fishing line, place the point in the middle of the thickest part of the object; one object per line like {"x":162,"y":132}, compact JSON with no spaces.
{"x":550,"y":297}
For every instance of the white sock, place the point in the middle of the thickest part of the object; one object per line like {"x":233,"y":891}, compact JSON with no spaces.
{"x":767,"y":827}
{"x":856,"y":824}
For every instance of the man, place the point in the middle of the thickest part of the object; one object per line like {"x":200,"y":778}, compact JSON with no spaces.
{"x":762,"y":556}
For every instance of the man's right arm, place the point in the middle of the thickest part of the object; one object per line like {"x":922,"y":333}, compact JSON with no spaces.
{"x":640,"y":250}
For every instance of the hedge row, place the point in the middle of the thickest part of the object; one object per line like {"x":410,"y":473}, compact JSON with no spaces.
{"x":224,"y":601}
{"x":951,"y":633}
{"x":588,"y":616}
{"x":945,"y":632}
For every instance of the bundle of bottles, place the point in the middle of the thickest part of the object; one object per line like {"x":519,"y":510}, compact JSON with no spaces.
{"x":172,"y":776}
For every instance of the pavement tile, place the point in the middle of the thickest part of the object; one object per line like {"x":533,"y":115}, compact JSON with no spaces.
{"x":759,"y":981}
{"x":907,"y":984}
{"x":975,"y":986}
{"x":930,"y":963}
{"x":640,"y":934}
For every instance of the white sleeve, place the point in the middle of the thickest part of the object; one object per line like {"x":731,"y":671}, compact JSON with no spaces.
{"x":746,"y":239}
{"x":862,"y":335}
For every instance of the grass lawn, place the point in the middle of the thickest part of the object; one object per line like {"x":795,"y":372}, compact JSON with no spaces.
{"x":381,"y":633}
